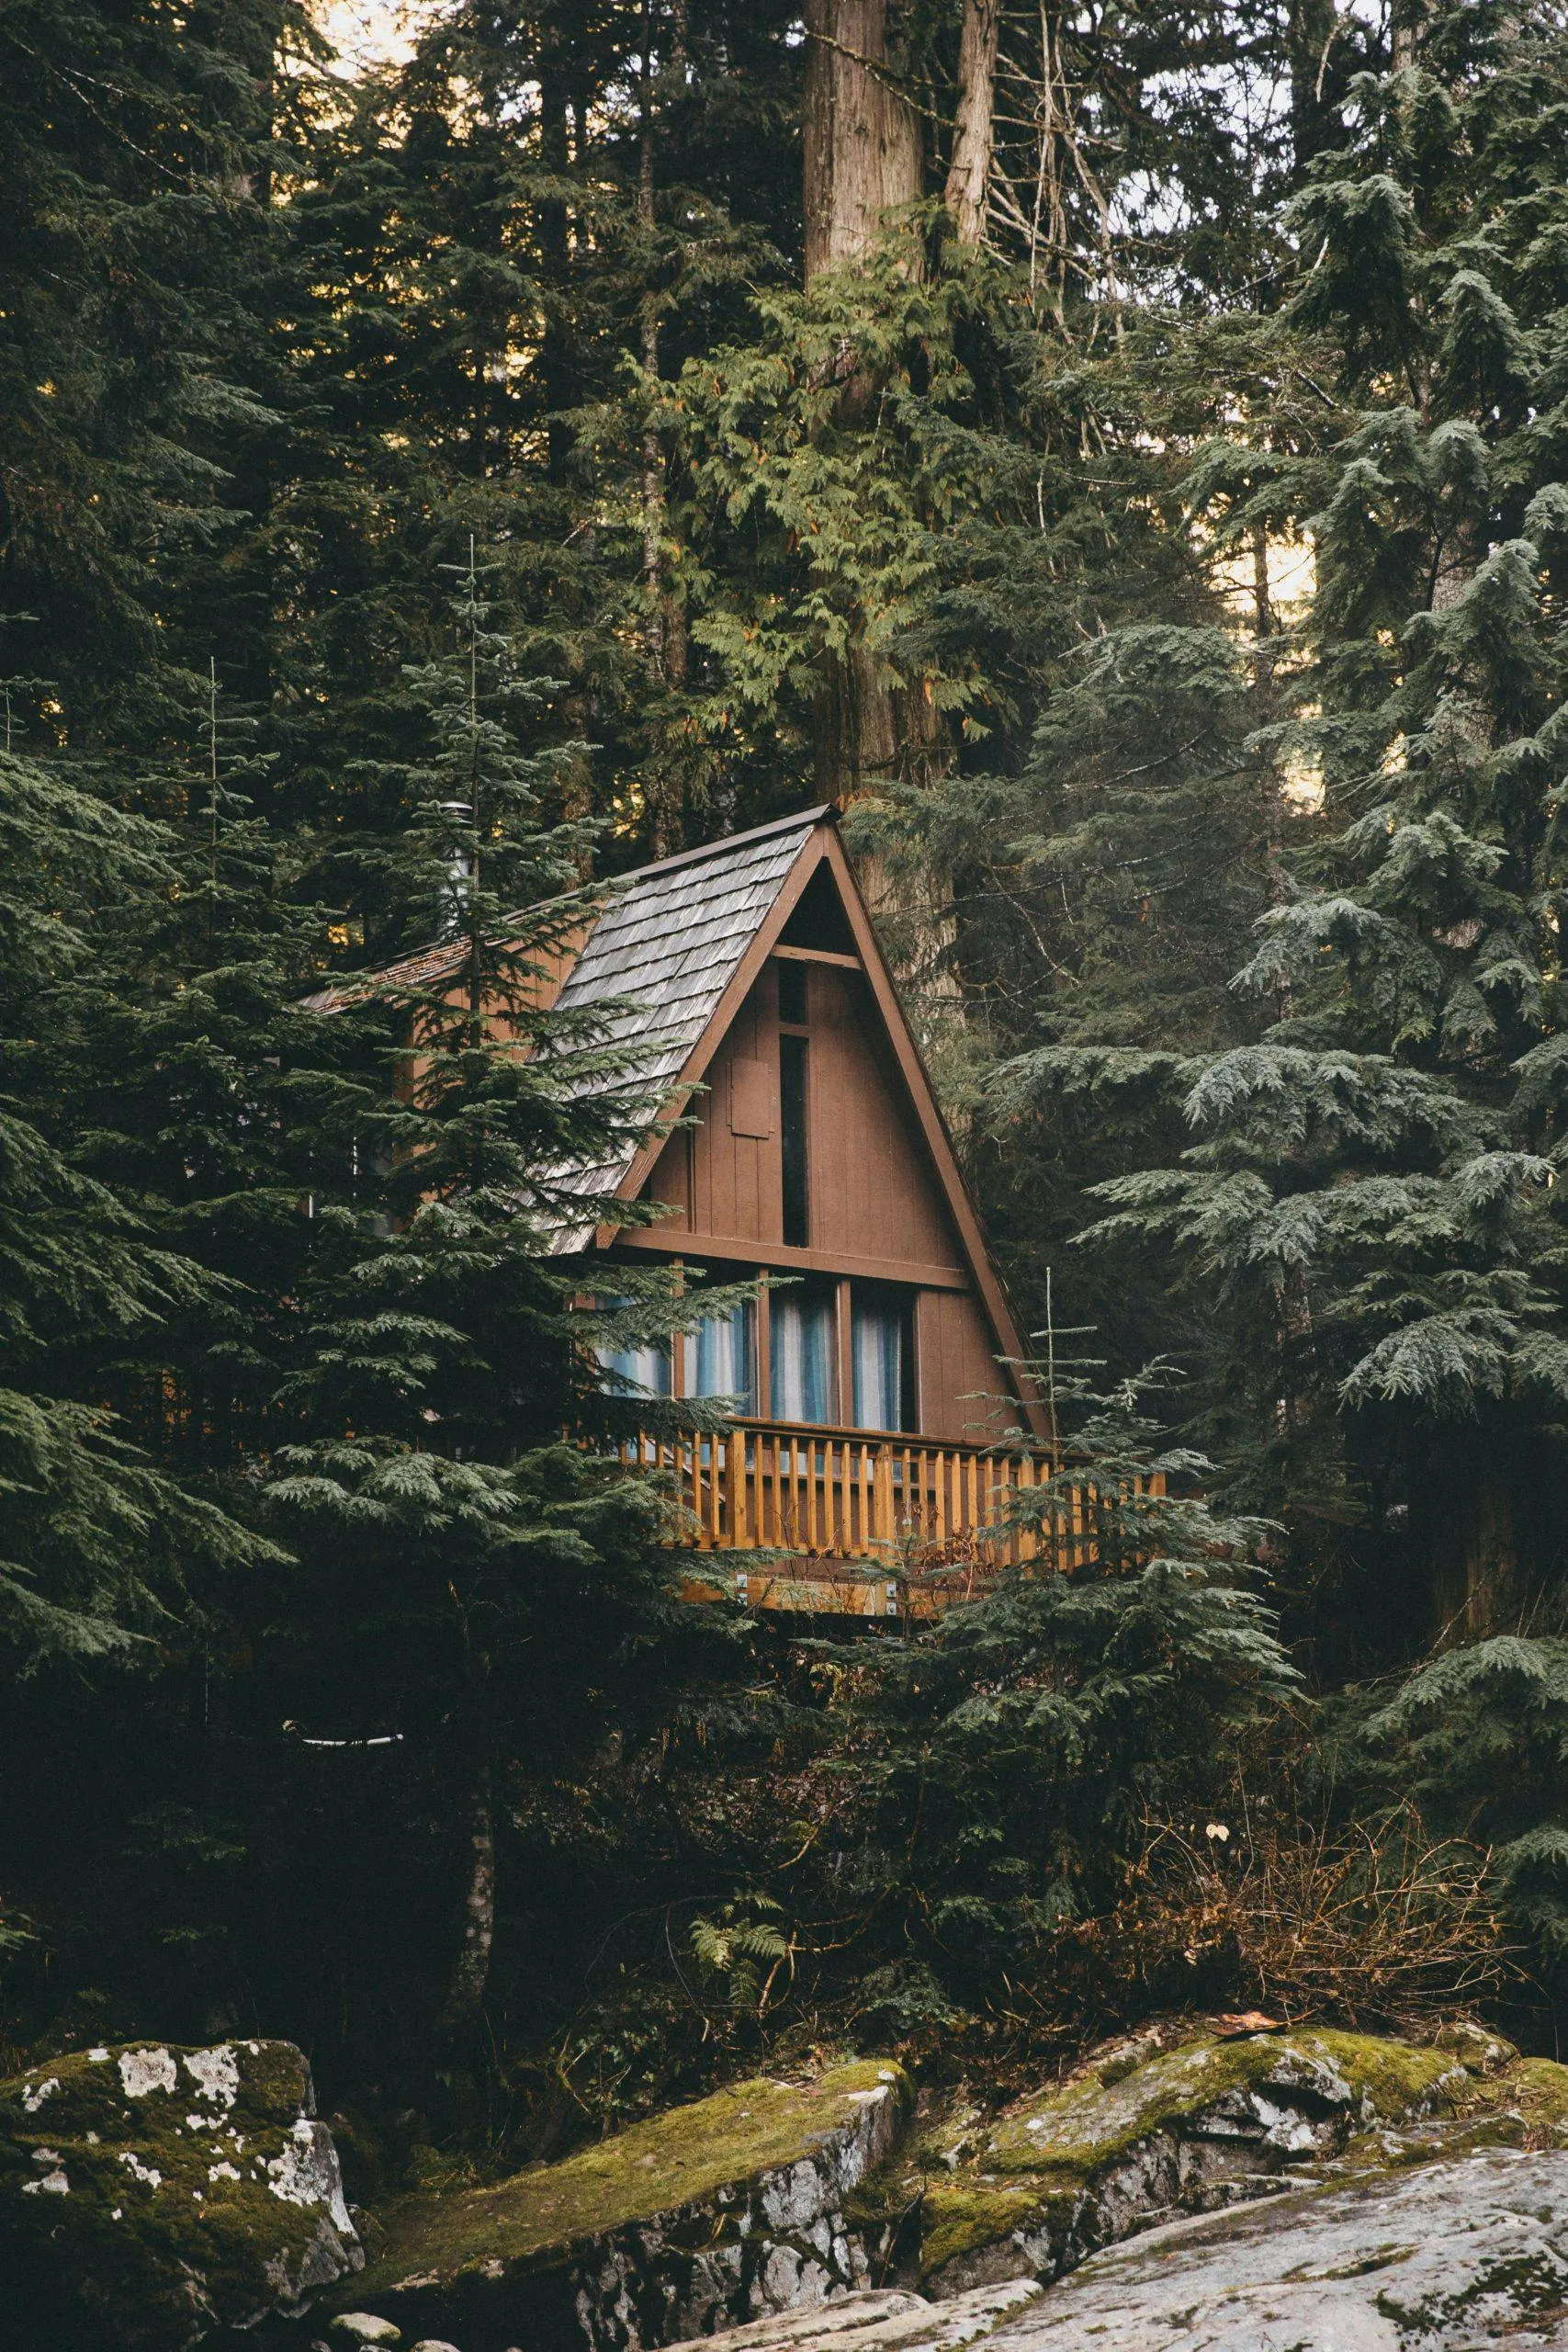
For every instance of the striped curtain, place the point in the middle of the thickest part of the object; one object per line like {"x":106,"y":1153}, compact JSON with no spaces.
{"x":802,"y":1351}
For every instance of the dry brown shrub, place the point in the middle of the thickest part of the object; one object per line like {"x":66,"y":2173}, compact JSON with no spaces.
{"x":1370,"y":1922}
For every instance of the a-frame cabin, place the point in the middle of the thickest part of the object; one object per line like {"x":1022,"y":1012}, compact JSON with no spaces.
{"x":880,"y":1384}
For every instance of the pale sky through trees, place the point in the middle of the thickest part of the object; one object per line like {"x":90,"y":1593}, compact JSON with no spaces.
{"x":371,"y":32}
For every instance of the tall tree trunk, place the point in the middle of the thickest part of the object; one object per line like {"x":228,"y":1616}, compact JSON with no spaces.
{"x":555,"y":357}
{"x":1311,"y":29}
{"x":863,"y":139}
{"x":863,"y":160}
{"x":1410,"y":17}
{"x":464,"y":2003}
{"x":969,"y":174}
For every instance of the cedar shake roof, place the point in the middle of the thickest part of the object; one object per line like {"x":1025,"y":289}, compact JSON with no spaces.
{"x":672,"y":938}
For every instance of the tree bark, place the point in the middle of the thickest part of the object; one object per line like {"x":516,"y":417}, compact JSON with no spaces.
{"x":969,"y":174}
{"x":863,"y":139}
{"x":1410,"y":19}
{"x":1311,"y":29}
{"x":470,"y":1974}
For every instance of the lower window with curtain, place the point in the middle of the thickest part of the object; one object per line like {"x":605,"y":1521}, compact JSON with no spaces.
{"x":802,"y":1351}
{"x":721,"y":1357}
{"x":640,"y":1370}
{"x":882,"y":1352}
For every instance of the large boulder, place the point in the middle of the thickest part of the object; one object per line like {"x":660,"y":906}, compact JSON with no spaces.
{"x":151,"y":2195}
{"x":1138,"y":2138}
{"x":707,"y":2215}
{"x":1465,"y":2255}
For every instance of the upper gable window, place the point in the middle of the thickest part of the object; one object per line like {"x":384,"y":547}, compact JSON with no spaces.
{"x":794,"y":1090}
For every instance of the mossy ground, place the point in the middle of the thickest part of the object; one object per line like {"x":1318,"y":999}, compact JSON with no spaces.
{"x":684,"y":2158}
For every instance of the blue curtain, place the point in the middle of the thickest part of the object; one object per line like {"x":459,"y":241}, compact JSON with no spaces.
{"x":802,"y":1350}
{"x":878,"y":1345}
{"x":639,"y":1370}
{"x":720,"y":1357}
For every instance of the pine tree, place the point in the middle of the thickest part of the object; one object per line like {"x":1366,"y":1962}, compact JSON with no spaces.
{"x":1010,"y":1760}
{"x":102,"y":1548}
{"x":135,"y":258}
{"x":476,"y":1576}
{"x":1372,"y":1183}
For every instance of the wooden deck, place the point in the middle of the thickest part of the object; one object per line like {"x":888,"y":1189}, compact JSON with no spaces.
{"x":873,"y":1525}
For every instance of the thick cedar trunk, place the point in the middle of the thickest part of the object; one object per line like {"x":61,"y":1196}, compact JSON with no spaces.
{"x":969,"y":174}
{"x":863,"y":161}
{"x":862,"y":140}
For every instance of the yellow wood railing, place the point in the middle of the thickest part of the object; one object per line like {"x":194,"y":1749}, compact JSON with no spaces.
{"x":845,"y":1496}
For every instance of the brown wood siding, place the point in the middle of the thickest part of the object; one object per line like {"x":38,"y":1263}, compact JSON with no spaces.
{"x":874,"y":1196}
{"x":872,"y":1193}
{"x":954,"y":1357}
{"x":737,"y":1193}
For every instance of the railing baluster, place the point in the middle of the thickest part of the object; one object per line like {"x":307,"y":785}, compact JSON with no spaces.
{"x":848,"y":1495}
{"x":882,"y":1533}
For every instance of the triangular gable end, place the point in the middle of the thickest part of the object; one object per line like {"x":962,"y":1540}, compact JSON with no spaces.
{"x":817,"y":856}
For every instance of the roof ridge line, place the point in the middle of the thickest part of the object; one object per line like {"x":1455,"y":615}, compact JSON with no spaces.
{"x":730,"y":841}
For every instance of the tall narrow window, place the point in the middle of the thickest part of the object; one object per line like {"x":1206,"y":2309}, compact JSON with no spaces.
{"x":719,"y":1356}
{"x":880,"y":1346}
{"x":801,"y":1346}
{"x":792,"y":1138}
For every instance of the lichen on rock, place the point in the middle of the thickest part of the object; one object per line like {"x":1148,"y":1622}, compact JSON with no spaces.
{"x":1134,"y":2139}
{"x":170,"y":2191}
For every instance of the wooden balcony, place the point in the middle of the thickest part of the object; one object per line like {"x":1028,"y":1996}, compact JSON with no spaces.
{"x":874,"y":1524}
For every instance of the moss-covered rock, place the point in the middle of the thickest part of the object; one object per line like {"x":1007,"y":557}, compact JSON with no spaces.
{"x":1138,"y":2137}
{"x":168,"y":2191}
{"x":712,"y":2212}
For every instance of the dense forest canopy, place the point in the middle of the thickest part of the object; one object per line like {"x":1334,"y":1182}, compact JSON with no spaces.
{"x":1119,"y":454}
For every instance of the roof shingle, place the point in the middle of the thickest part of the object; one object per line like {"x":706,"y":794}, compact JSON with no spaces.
{"x":672,"y":941}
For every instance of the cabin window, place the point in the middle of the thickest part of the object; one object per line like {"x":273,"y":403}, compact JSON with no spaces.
{"x":882,"y":1352}
{"x":639,"y":1371}
{"x":792,"y":1140}
{"x":801,"y":1327}
{"x":720,"y":1355}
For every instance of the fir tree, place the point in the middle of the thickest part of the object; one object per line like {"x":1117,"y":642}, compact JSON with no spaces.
{"x":101,"y":1546}
{"x":1373,"y":1185}
{"x":476,"y":1576}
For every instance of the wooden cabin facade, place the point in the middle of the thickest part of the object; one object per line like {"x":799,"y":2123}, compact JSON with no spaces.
{"x":882,"y":1405}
